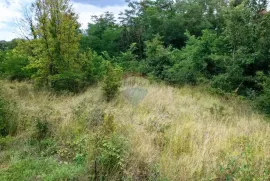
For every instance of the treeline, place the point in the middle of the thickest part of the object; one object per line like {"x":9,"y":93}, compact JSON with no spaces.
{"x":216,"y":42}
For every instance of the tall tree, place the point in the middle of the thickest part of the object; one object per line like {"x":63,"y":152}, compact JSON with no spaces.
{"x":56,"y":38}
{"x":102,"y":35}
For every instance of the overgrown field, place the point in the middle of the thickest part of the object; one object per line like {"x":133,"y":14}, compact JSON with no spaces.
{"x":166,"y":134}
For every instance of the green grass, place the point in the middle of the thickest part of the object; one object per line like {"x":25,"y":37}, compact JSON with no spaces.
{"x":41,"y":169}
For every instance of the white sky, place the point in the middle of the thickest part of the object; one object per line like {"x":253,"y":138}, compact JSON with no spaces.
{"x":11,"y":11}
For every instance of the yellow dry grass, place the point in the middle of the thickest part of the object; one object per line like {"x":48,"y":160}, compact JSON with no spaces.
{"x":186,"y":133}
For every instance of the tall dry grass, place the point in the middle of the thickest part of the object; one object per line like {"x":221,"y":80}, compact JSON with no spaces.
{"x":174,"y":133}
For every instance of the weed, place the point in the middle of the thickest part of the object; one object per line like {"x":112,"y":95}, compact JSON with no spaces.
{"x":8,"y":124}
{"x":42,"y":129}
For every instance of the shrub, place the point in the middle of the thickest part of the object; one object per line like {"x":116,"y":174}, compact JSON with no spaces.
{"x":8,"y":123}
{"x":242,"y":167}
{"x":263,"y":100}
{"x":158,"y":58}
{"x":111,"y":156}
{"x":14,"y":66}
{"x":68,"y":81}
{"x":128,"y":60}
{"x":112,"y":81}
{"x":229,"y":81}
{"x":110,"y":149}
{"x":42,"y":130}
{"x":93,"y":66}
{"x":182,"y":73}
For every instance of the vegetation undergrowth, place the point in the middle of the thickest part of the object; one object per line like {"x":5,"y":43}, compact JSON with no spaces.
{"x":184,"y":134}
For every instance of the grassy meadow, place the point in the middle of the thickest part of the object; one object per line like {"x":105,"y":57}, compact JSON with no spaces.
{"x":171,"y":133}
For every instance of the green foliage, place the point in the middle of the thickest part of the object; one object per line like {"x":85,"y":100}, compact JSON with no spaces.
{"x":5,"y":142}
{"x":103,"y":35}
{"x":128,"y":60}
{"x":183,"y":72}
{"x":73,"y":151}
{"x":14,"y":66}
{"x":55,"y":45}
{"x":263,"y":100}
{"x":8,"y":124}
{"x":42,"y":129}
{"x":93,"y":66}
{"x":158,"y":57}
{"x":112,"y":81}
{"x":41,"y":169}
{"x":68,"y":81}
{"x":2,"y":58}
{"x":242,"y":167}
{"x":110,"y":151}
{"x":225,"y":46}
{"x":111,"y":156}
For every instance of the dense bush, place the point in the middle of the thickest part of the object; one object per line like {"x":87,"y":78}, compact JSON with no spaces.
{"x":68,"y":81}
{"x":182,"y":73}
{"x":225,"y":44}
{"x":158,"y":58}
{"x":129,"y":60}
{"x":93,"y":66}
{"x":112,"y":81}
{"x":14,"y":67}
{"x":263,"y":100}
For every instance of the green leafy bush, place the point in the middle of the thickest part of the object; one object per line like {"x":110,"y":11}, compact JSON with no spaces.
{"x":128,"y":60}
{"x":263,"y":100}
{"x":93,"y":66}
{"x":182,"y":73}
{"x":112,"y":81}
{"x":68,"y":81}
{"x":112,"y":155}
{"x":158,"y":58}
{"x":14,"y":66}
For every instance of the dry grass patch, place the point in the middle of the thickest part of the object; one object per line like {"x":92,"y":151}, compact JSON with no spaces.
{"x":173,"y":133}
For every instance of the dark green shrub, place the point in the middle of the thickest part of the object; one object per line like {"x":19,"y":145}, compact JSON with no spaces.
{"x":182,"y":73}
{"x":158,"y":58}
{"x":8,"y":123}
{"x":42,"y":130}
{"x":93,"y":66}
{"x":68,"y":81}
{"x":263,"y":100}
{"x":128,"y":60}
{"x":112,"y":81}
{"x":14,"y":66}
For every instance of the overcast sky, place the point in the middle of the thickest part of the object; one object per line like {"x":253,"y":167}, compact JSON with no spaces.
{"x":11,"y":11}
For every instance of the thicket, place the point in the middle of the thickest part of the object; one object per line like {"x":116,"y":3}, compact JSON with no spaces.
{"x":8,"y":124}
{"x":222,"y":44}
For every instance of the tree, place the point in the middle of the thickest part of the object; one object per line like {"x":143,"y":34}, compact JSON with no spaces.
{"x":102,"y":35}
{"x":56,"y":32}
